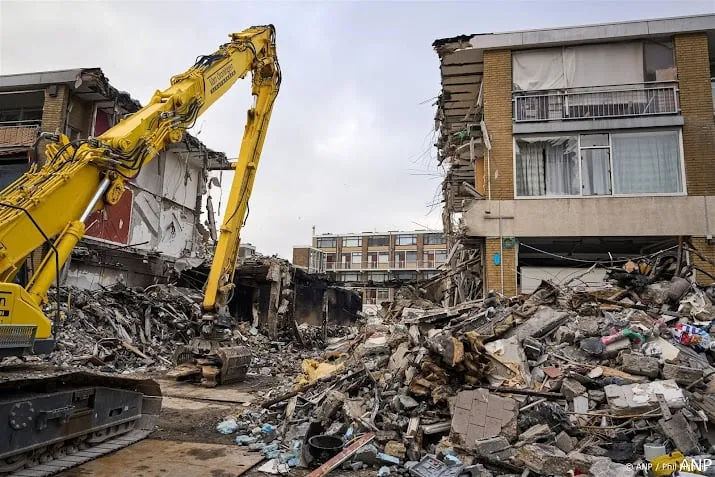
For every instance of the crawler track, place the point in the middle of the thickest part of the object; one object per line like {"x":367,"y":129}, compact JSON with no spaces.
{"x":53,"y":419}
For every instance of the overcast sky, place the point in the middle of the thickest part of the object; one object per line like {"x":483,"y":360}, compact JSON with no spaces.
{"x":349,"y":147}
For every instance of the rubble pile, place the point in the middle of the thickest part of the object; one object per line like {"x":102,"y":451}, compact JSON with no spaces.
{"x":562,"y":381}
{"x":122,"y":329}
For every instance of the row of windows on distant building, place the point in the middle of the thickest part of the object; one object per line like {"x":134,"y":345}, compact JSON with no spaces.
{"x":380,"y":240}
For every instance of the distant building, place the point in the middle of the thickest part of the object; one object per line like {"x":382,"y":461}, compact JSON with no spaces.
{"x":376,"y":262}
{"x":156,"y":222}
{"x":246,"y":250}
{"x":309,"y":258}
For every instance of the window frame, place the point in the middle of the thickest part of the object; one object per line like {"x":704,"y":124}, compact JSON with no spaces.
{"x":412,"y":237}
{"x":352,"y":237}
{"x":681,"y":158}
{"x":442,"y":242}
{"x":378,"y":236}
{"x":334,"y":241}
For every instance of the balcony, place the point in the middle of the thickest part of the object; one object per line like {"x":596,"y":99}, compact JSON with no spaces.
{"x":394,"y":265}
{"x":634,"y":100}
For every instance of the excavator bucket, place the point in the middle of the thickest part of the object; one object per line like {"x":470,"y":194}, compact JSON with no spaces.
{"x":224,"y":366}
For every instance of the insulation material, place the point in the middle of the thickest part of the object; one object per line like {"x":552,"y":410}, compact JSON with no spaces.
{"x":181,"y":180}
{"x":578,"y":66}
{"x":177,"y":231}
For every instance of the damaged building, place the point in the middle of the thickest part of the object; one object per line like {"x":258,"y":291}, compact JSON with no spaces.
{"x":156,"y":225}
{"x":555,"y":159}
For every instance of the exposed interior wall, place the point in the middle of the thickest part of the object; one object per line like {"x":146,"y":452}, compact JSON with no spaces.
{"x":531,"y":277}
{"x":692,"y":61}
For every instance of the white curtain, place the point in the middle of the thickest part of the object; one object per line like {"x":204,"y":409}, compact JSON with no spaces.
{"x":538,"y":69}
{"x":578,"y":66}
{"x":546,"y":166}
{"x":595,"y":170}
{"x":603,"y":64}
{"x":646,"y":163}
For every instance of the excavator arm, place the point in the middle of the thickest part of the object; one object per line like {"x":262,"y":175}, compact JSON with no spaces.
{"x":84,"y":175}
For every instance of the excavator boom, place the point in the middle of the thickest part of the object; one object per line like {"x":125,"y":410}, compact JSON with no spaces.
{"x":48,"y":206}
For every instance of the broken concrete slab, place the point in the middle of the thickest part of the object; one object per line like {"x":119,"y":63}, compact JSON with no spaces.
{"x":607,"y":468}
{"x":679,"y":431}
{"x":535,"y":433}
{"x":572,"y":388}
{"x":480,"y":414}
{"x":494,"y":446}
{"x":682,"y":375}
{"x":540,"y":323}
{"x":641,"y":365}
{"x":641,"y":397}
{"x":565,"y":442}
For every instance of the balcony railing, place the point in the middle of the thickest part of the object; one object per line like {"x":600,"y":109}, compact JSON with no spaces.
{"x":398,"y":265}
{"x":643,"y":99}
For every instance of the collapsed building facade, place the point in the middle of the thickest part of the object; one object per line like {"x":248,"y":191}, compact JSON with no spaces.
{"x":157,"y":223}
{"x":555,"y":159}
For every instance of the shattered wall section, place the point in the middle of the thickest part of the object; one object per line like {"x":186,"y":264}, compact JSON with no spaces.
{"x":461,"y":152}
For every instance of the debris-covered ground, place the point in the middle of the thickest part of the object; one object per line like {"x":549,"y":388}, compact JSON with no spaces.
{"x":565,"y":381}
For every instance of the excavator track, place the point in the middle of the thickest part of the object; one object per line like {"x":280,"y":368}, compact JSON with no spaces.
{"x":54,"y":419}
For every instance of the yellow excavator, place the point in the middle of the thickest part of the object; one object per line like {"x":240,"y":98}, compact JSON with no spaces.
{"x":52,"y":419}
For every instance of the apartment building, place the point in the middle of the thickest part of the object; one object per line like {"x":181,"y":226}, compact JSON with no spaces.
{"x":376,"y":262}
{"x":309,"y":258}
{"x":157,"y":223}
{"x":572,"y":145}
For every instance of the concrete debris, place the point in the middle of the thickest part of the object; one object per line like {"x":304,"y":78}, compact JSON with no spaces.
{"x":560,"y":382}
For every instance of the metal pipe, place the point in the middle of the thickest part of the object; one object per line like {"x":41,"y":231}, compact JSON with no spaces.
{"x":103,"y":186}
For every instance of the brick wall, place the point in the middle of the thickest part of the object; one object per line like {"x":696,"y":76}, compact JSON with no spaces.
{"x":54,"y":112}
{"x":691,"y":59}
{"x":493,"y":272}
{"x":301,"y":257}
{"x":497,"y":116}
{"x":702,"y":246}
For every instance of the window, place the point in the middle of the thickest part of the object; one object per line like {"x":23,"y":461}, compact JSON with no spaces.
{"x":349,"y":277}
{"x":405,"y":259}
{"x":430,"y":274}
{"x":383,"y":294}
{"x":595,"y":164}
{"x":377,"y":277}
{"x":646,"y":163}
{"x":378,"y":241}
{"x":345,"y":260}
{"x":327,"y":243}
{"x":330,"y":261}
{"x":434,"y":258}
{"x":383,"y":258}
{"x":659,"y":62}
{"x":599,"y":164}
{"x":405,"y":275}
{"x":372,"y":259}
{"x":547,"y":166}
{"x":407,"y":240}
{"x":356,"y":260}
{"x":433,"y":239}
{"x":352,"y":241}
